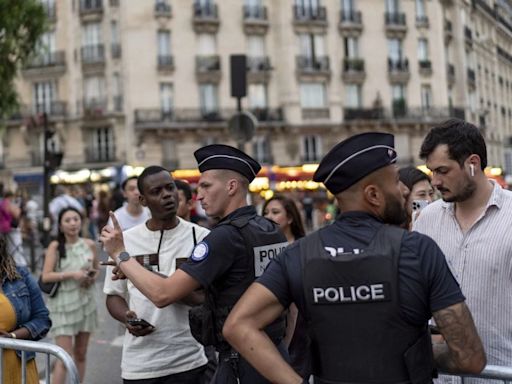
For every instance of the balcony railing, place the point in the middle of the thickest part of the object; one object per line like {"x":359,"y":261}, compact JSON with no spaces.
{"x":91,"y":6}
{"x":302,"y":13}
{"x":422,"y":21}
{"x":315,"y":113}
{"x":116,"y":50}
{"x":163,"y":9}
{"x":47,"y":59}
{"x":207,"y":63}
{"x":394,"y":18}
{"x":350,"y":16}
{"x":400,"y":110}
{"x":94,"y":107}
{"x":313,"y":64}
{"x":258,"y":64}
{"x":52,"y":108}
{"x":268,"y":114}
{"x":207,"y":10}
{"x":255,"y":12}
{"x":471,"y":75}
{"x":165,"y":62}
{"x":398,"y":65}
{"x":92,"y":54}
{"x":353,"y":65}
{"x":425,"y":65}
{"x":468,"y":34}
{"x":363,"y":113}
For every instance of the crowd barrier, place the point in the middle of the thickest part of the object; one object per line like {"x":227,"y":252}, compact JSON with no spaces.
{"x":490,"y":372}
{"x":38,"y":347}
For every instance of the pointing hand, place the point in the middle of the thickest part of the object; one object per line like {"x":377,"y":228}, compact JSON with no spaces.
{"x":112,"y":238}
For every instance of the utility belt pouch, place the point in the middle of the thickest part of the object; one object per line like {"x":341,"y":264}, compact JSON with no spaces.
{"x":201,"y":321}
{"x":419,"y":360}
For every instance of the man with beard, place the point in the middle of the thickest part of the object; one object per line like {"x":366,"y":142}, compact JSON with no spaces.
{"x":366,"y":289}
{"x":471,"y":224}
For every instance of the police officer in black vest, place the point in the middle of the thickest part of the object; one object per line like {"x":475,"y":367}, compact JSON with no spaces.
{"x":225,"y":263}
{"x":366,"y":288}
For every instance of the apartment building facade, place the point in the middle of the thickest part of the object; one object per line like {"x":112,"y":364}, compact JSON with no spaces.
{"x":148,"y":82}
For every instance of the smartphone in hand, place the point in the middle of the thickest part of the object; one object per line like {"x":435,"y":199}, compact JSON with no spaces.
{"x":138,"y":321}
{"x":418,"y":205}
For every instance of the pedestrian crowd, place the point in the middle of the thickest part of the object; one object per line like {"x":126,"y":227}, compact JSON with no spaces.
{"x":394,"y":276}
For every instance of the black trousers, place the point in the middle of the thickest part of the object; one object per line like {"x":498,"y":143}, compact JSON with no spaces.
{"x":227,"y":371}
{"x":194,"y":376}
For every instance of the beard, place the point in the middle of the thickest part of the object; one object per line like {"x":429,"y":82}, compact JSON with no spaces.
{"x":394,"y":212}
{"x":467,"y":191}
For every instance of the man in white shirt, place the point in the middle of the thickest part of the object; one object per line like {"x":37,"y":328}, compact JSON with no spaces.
{"x":132,"y":212}
{"x":471,"y":225}
{"x":164,"y":352}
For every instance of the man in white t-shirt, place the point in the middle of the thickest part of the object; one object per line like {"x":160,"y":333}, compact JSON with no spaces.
{"x":164,"y":352}
{"x":132,"y":212}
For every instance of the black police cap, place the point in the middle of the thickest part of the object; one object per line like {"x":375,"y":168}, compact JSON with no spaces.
{"x":219,"y":156}
{"x":354,"y":158}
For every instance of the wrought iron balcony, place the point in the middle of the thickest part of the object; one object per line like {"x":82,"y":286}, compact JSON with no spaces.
{"x":48,"y":59}
{"x":93,"y":54}
{"x":363,"y":114}
{"x":303,"y":13}
{"x":353,"y":70}
{"x":94,"y":107}
{"x":205,"y":17}
{"x":52,"y":108}
{"x":258,"y":64}
{"x":255,"y":20}
{"x":422,"y":21}
{"x":350,"y":21}
{"x":163,"y":9}
{"x":395,"y":24}
{"x":208,"y":63}
{"x":425,"y":67}
{"x":91,"y":7}
{"x":312,"y":64}
{"x":399,"y":107}
{"x":268,"y":114}
{"x":315,"y":113}
{"x":398,"y":70}
{"x":165,"y":62}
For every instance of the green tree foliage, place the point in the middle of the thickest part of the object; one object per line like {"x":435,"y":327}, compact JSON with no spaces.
{"x":22,"y":22}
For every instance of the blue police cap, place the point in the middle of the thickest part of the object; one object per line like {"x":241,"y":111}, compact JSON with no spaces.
{"x":219,"y":156}
{"x":354,"y":158}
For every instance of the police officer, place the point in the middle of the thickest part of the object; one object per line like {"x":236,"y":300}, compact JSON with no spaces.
{"x":225,"y":263}
{"x":366,"y":288}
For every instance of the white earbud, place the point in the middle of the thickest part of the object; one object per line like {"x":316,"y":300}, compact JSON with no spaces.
{"x":472,"y":170}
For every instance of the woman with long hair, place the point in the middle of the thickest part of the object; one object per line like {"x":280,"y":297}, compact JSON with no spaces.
{"x":73,"y":262}
{"x":283,"y":211}
{"x":23,"y":315}
{"x":420,"y":188}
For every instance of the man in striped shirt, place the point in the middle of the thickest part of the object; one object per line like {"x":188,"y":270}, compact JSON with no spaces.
{"x":472,"y":225}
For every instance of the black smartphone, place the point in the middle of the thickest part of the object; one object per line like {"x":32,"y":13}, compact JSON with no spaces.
{"x":91,"y":273}
{"x":138,"y":321}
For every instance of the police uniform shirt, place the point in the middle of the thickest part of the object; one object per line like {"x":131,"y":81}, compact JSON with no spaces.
{"x":426,"y":284}
{"x":221,"y":250}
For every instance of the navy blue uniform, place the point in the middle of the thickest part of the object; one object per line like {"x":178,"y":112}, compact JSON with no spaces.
{"x":425,"y":281}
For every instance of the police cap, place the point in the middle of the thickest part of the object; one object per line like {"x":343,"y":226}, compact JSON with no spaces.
{"x":354,"y":158}
{"x":219,"y":156}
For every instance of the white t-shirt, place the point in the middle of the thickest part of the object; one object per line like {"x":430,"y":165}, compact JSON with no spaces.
{"x":171,"y":348}
{"x":127,"y":221}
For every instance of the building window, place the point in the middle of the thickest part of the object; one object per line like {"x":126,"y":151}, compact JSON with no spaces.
{"x":256,"y":46}
{"x":313,"y":95}
{"x":423,"y":49}
{"x":354,"y":98}
{"x":94,"y":92}
{"x":348,"y":6}
{"x":44,"y":96}
{"x":207,"y":45}
{"x":399,"y":102}
{"x":395,"y":50}
{"x":261,"y":150}
{"x":392,"y":6}
{"x":351,"y":47}
{"x":170,"y":154}
{"x":92,"y":48}
{"x":308,"y":7}
{"x":166,"y":98}
{"x":164,"y":43}
{"x":257,"y":96}
{"x":420,"y":10}
{"x":117,"y":92}
{"x":208,"y":99}
{"x":311,"y":45}
{"x":472,"y":101}
{"x":426,"y":97}
{"x":311,"y":148}
{"x":101,"y":145}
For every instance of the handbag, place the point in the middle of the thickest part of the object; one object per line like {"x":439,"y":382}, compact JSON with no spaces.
{"x":50,"y":288}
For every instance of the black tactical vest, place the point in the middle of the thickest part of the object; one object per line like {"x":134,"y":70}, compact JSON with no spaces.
{"x":263,"y":241}
{"x":353,"y":312}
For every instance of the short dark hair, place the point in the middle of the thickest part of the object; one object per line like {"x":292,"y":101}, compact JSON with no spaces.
{"x":148,"y":171}
{"x":462,"y":138}
{"x":185,"y":187}
{"x":412,"y":175}
{"x":296,"y":226}
{"x":125,"y":181}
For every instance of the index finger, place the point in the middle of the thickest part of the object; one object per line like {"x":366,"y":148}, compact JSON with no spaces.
{"x":115,"y":223}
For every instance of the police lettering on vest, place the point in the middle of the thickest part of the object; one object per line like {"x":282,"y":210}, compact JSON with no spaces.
{"x":264,"y":254}
{"x":368,"y":293}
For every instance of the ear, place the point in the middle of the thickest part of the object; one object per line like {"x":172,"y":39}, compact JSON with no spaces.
{"x":474,"y":160}
{"x":142,"y":201}
{"x":373,"y":195}
{"x":232,"y":186}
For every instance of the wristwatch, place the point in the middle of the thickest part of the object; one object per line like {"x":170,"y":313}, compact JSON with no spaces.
{"x":123,"y":256}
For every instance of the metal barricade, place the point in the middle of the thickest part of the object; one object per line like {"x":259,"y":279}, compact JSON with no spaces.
{"x":38,"y":347}
{"x":490,"y":372}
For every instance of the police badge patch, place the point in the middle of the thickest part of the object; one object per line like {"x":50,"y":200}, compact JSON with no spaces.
{"x":200,"y":252}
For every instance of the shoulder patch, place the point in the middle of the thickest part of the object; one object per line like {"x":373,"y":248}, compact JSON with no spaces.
{"x":200,"y":252}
